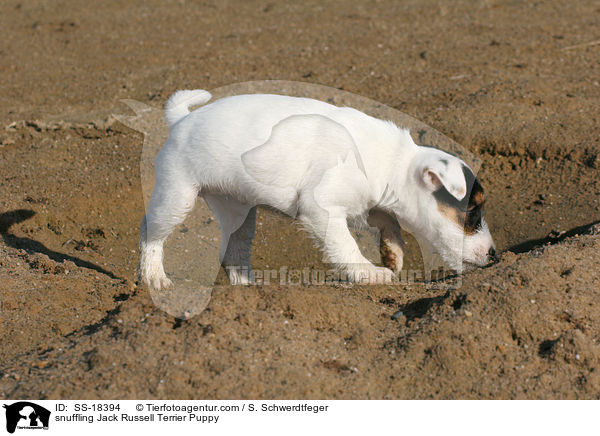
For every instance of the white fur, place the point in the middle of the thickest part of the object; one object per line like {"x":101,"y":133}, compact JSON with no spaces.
{"x":319,"y":163}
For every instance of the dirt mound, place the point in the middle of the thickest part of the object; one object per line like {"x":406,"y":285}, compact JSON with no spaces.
{"x":524,"y":328}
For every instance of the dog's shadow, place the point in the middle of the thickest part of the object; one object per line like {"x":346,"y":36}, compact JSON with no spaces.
{"x":552,"y":238}
{"x":8,"y":219}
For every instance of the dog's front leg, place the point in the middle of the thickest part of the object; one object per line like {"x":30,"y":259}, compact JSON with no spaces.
{"x":340,"y":248}
{"x":391,"y":244}
{"x":431,"y":260}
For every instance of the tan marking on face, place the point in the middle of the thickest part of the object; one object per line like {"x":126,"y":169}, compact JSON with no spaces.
{"x":477,"y":199}
{"x":457,"y":216}
{"x":475,"y":209}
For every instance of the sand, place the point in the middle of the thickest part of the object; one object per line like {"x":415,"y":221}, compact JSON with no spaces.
{"x":516,"y":84}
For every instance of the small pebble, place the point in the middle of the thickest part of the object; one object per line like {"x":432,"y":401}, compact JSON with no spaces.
{"x":398,"y":314}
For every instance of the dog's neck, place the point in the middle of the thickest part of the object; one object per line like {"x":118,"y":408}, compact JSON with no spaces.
{"x":393,"y":176}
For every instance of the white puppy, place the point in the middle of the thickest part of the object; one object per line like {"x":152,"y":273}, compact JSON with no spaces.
{"x":319,"y":163}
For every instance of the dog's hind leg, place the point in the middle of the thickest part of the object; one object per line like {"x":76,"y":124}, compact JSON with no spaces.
{"x":172,"y":199}
{"x":237,"y":221}
{"x":391,"y":244}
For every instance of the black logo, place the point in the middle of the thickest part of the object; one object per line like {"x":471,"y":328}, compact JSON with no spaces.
{"x":26,"y":415}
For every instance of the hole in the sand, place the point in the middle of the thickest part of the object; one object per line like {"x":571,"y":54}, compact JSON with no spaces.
{"x":459,"y":301}
{"x":121,"y":297}
{"x":566,"y":272}
{"x":419,"y":308}
{"x":288,"y":312}
{"x":388,"y":301}
{"x":547,"y":347}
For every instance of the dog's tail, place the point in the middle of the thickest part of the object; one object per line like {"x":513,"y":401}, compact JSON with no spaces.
{"x":178,"y":104}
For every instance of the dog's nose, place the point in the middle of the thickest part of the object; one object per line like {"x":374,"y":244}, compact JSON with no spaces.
{"x":492,"y":253}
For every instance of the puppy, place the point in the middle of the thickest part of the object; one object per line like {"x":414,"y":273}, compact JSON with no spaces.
{"x":316,"y":162}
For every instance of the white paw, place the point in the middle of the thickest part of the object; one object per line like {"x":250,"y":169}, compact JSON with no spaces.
{"x":371,"y":274}
{"x":158,"y":282}
{"x":392,"y":255}
{"x":396,"y":266}
{"x":151,"y":270}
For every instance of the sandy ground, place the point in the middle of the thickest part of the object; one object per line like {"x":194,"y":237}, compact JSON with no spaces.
{"x":516,"y":83}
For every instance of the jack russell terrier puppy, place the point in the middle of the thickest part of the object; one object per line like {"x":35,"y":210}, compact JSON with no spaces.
{"x":319,"y":163}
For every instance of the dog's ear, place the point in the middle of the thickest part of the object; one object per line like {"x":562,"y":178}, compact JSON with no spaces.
{"x":442,"y":171}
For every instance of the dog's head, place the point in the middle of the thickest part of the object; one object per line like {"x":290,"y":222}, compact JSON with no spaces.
{"x":448,"y":214}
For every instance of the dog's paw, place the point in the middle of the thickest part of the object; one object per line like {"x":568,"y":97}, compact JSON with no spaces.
{"x":371,"y":275}
{"x":392,"y":261}
{"x":158,"y":282}
{"x":392,"y":253}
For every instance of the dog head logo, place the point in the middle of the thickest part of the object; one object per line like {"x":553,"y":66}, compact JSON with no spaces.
{"x":26,"y":415}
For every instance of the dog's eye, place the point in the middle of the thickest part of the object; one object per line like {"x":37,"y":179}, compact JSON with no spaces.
{"x":473,"y":218}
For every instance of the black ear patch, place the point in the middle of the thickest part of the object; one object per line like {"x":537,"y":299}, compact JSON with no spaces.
{"x":468,"y":212}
